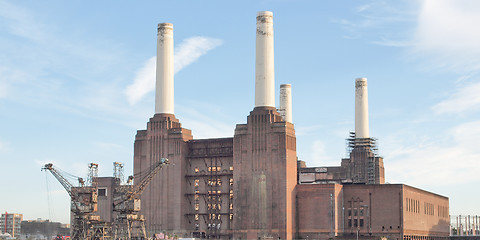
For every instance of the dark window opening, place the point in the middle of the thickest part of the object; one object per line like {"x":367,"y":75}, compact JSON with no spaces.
{"x":102,"y":192}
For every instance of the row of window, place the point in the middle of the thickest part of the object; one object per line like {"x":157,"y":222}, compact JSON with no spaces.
{"x":355,"y":222}
{"x":213,"y":216}
{"x":412,"y":205}
{"x":356,"y":212}
{"x":428,"y":209}
{"x":442,"y":211}
{"x":213,"y":169}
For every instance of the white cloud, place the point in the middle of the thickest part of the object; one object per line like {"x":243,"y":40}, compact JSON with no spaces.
{"x":319,"y":156}
{"x":464,"y":99}
{"x":20,"y":22}
{"x":447,"y":34}
{"x":189,"y":51}
{"x":447,"y":159}
{"x":193,"y":48}
{"x":143,"y":83}
{"x":198,"y":117}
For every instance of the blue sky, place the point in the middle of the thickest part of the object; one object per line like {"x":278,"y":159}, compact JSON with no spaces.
{"x":76,"y":84}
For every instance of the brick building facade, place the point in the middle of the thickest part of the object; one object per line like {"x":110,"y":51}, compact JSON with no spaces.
{"x":249,"y":187}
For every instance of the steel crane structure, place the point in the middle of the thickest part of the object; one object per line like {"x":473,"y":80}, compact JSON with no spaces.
{"x":83,"y":205}
{"x":129,"y":224}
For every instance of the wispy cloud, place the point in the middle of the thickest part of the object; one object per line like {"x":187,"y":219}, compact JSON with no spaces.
{"x":143,"y":83}
{"x":440,"y":157}
{"x":189,"y":51}
{"x":20,"y":22}
{"x":447,"y":34}
{"x":465,"y":99}
{"x":198,"y":116}
{"x":374,"y":21}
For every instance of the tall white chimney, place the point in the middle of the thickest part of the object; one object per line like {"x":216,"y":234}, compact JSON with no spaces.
{"x":361,"y":108}
{"x":164,"y":81}
{"x":264,"y":67}
{"x":286,"y":102}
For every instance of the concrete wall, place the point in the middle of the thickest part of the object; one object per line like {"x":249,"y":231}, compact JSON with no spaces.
{"x":105,"y":203}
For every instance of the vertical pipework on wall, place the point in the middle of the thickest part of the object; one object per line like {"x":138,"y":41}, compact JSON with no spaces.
{"x":361,"y":108}
{"x":164,"y":79}
{"x":264,"y":65}
{"x":286,"y":102}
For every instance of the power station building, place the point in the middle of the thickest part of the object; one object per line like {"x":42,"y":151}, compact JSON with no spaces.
{"x":249,"y":186}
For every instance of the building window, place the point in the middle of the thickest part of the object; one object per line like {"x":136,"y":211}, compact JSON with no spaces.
{"x":361,"y":222}
{"x":197,"y":182}
{"x":196,"y":217}
{"x":349,"y":222}
{"x":196,"y":170}
{"x":231,"y":168}
{"x":214,"y":169}
{"x":102,"y":192}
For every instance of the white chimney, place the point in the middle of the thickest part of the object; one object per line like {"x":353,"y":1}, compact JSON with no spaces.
{"x":264,"y":68}
{"x":164,"y":81}
{"x":286,"y":102}
{"x":361,"y":108}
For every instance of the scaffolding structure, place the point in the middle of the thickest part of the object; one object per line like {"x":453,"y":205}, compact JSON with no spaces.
{"x":210,"y":191}
{"x":363,"y":155}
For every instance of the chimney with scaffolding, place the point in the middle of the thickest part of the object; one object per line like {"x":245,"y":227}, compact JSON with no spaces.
{"x":363,"y":165}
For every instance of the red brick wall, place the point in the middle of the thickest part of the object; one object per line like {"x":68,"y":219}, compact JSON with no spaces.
{"x":319,"y":208}
{"x":163,"y":201}
{"x":425,"y":213}
{"x":265,"y":176}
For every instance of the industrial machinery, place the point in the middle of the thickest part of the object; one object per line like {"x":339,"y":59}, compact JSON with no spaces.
{"x":83,"y":204}
{"x":129,"y":224}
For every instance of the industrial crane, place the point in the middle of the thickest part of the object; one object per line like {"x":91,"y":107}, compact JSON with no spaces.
{"x":83,"y":204}
{"x":129,"y":224}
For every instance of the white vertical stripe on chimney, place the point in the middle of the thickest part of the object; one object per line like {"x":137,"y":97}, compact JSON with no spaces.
{"x":164,"y":81}
{"x":361,"y":108}
{"x":264,"y":67}
{"x":286,"y":102}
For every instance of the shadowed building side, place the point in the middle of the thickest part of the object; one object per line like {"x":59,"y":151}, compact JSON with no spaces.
{"x":163,"y":201}
{"x":264,"y":155}
{"x":264,"y":160}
